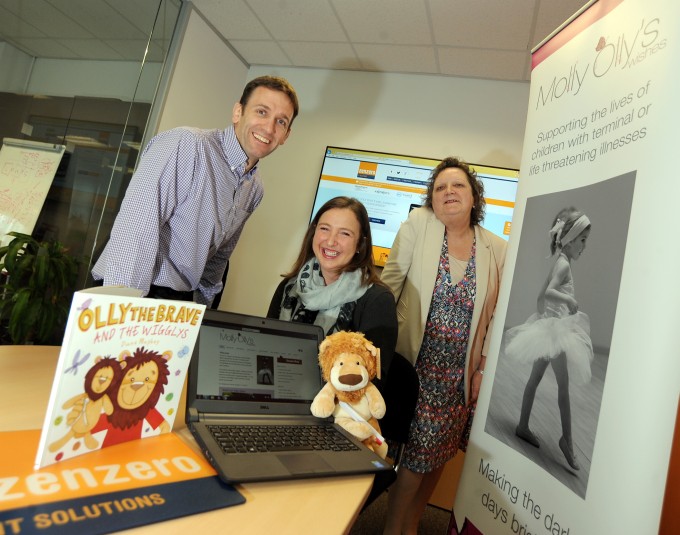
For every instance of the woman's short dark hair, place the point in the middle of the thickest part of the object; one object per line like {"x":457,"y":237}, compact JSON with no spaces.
{"x":479,"y":203}
{"x":274,"y":83}
{"x":363,"y":260}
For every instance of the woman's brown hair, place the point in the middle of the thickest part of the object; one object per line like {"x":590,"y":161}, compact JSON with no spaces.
{"x":362,"y":260}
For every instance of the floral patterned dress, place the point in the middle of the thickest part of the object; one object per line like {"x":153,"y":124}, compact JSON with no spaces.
{"x":441,"y":425}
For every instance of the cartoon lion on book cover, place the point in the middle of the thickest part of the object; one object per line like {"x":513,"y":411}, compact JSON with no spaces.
{"x":120,"y":395}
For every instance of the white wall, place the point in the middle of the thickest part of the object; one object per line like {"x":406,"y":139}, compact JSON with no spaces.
{"x":15,"y":67}
{"x":433,"y":116}
{"x":206,"y":81}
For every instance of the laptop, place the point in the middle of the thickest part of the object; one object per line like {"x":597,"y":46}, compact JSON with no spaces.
{"x":249,"y":372}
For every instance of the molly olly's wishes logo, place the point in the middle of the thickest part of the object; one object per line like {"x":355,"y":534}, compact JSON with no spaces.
{"x":625,"y":50}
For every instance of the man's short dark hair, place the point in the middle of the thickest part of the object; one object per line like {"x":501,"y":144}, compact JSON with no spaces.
{"x":276,"y":84}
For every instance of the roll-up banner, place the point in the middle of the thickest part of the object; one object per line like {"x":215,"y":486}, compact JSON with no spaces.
{"x":576,"y":414}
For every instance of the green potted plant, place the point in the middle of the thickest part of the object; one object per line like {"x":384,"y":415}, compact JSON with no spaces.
{"x":37,"y":284}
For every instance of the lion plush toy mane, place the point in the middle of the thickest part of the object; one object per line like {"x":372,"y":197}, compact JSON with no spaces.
{"x":348,"y":363}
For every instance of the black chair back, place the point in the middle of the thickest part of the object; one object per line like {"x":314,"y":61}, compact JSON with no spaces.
{"x":401,"y":394}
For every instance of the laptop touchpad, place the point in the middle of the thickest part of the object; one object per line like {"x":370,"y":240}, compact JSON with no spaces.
{"x":304,"y":464}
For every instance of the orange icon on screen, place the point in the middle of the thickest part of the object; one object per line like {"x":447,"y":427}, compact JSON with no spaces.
{"x":367,"y":170}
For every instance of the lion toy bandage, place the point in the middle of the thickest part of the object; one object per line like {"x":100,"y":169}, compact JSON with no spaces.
{"x":348,"y":364}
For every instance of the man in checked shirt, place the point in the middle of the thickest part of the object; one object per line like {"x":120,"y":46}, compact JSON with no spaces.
{"x":190,"y":197}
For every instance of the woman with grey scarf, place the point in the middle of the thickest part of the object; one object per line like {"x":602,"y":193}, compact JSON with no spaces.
{"x":334,"y":282}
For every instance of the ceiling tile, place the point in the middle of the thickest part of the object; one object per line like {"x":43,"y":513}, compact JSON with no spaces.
{"x":482,"y":63}
{"x":480,"y":38}
{"x":261,"y":52}
{"x":133,"y":50}
{"x":233,"y":18}
{"x":404,"y":59}
{"x":142,"y":14}
{"x":551,"y":15}
{"x":13,"y":26}
{"x":91,"y":49}
{"x":402,"y":22}
{"x":100,"y":19}
{"x":47,"y":48}
{"x":43,"y":15}
{"x":483,"y":23}
{"x":338,"y":55}
{"x":299,"y":20}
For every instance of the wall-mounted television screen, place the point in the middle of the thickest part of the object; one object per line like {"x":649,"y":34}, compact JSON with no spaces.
{"x":391,"y":185}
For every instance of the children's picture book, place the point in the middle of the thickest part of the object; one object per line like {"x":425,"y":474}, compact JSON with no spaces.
{"x":120,"y":373}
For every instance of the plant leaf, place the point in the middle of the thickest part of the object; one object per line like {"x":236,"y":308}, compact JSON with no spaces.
{"x":18,"y":319}
{"x":36,"y":294}
{"x":13,"y":252}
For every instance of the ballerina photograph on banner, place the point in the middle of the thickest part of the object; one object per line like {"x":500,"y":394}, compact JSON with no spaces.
{"x":551,"y":370}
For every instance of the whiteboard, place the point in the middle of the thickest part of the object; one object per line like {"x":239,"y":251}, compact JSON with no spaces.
{"x":27,"y":169}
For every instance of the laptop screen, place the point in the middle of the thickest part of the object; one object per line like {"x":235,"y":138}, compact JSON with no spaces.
{"x":247,"y":364}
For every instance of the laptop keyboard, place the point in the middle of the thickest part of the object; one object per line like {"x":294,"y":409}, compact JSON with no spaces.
{"x":273,"y":438}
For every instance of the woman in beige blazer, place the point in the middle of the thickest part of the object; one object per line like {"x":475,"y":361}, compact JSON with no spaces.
{"x":444,"y":271}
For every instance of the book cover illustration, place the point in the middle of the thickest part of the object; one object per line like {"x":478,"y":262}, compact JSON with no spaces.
{"x":120,"y":373}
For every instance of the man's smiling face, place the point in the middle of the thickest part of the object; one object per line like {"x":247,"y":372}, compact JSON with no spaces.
{"x":263,"y":123}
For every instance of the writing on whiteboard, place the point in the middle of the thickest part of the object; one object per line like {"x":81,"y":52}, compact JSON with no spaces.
{"x":26,"y":173}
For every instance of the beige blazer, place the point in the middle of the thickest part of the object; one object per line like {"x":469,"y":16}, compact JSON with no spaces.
{"x":411,"y":272}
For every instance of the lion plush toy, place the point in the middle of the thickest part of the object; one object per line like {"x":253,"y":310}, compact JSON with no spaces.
{"x":348,"y":364}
